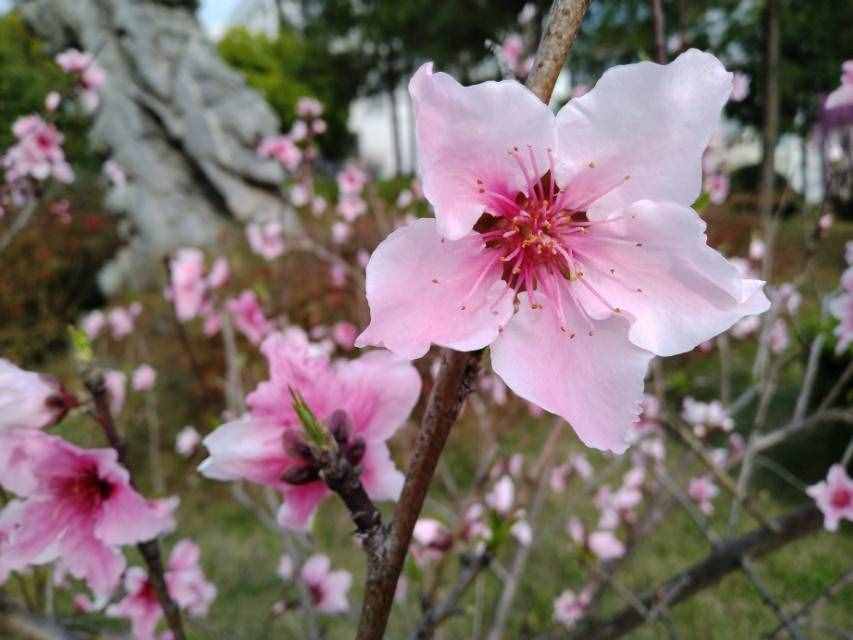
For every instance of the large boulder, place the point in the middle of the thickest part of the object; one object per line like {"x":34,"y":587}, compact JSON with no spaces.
{"x":182,"y":124}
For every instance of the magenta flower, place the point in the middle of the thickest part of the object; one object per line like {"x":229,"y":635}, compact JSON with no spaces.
{"x":364,"y":401}
{"x":31,"y":400}
{"x":834,"y":497}
{"x":328,"y":588}
{"x":78,"y":507}
{"x":566,"y":243}
{"x":249,"y":316}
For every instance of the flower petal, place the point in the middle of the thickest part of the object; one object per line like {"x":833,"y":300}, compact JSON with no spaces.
{"x":380,"y":476}
{"x":464,"y":135}
{"x":423,"y":289}
{"x":300,"y":503}
{"x":127,"y":518}
{"x":380,"y":392}
{"x":245,"y":449}
{"x":646,"y":121}
{"x":595,"y":382}
{"x":655,"y":264}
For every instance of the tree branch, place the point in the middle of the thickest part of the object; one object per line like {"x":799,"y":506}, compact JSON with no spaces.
{"x":726,"y":558}
{"x":564,"y":22}
{"x":150,"y":550}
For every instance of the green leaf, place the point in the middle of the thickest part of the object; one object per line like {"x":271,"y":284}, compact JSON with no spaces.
{"x":80,"y":345}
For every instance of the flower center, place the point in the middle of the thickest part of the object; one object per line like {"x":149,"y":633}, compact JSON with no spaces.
{"x":87,"y":489}
{"x":841,"y":498}
{"x":542,"y":236}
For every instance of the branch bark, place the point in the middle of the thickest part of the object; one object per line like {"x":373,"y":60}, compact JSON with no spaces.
{"x":457,"y":373}
{"x":150,"y":550}
{"x":723,"y":560}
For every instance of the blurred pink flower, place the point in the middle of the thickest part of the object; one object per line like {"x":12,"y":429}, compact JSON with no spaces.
{"x":834,"y":497}
{"x":328,"y":588}
{"x":116,"y":384}
{"x":344,"y":334}
{"x":502,"y":495}
{"x":351,"y":207}
{"x":570,"y":608}
{"x":31,"y":400}
{"x":307,"y":107}
{"x":368,"y":399}
{"x":38,"y":152}
{"x":522,"y":532}
{"x":219,"y":273}
{"x":841,"y":307}
{"x":187,"y":441}
{"x":605,"y":545}
{"x":143,"y":378}
{"x":266,"y":239}
{"x":740,"y":86}
{"x":79,"y":508}
{"x":702,"y":491}
{"x":188,"y":286}
{"x":607,"y":263}
{"x":351,"y":180}
{"x":511,"y":51}
{"x":430,"y":540}
{"x":121,"y":322}
{"x":843,"y":95}
{"x":285,"y":567}
{"x":52,"y":100}
{"x":115,"y":173}
{"x":249,"y":316}
{"x":283,"y":149}
{"x":341,"y":232}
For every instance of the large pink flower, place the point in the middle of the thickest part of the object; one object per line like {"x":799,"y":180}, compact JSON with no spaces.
{"x":78,"y":507}
{"x":375,"y":392}
{"x":566,"y":243}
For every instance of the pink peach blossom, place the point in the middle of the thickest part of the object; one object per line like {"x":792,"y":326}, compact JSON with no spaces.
{"x":300,"y":195}
{"x":834,"y":497}
{"x":702,"y":491}
{"x":570,"y":608}
{"x":187,"y":441}
{"x":116,"y":384}
{"x":740,"y":86}
{"x":431,"y":540}
{"x":52,"y":100}
{"x":266,"y":239}
{"x":121,"y":322}
{"x":307,"y":107}
{"x":249,"y":316}
{"x":38,"y":152}
{"x":283,"y":149}
{"x":219,"y":273}
{"x":328,"y":588}
{"x":843,"y":96}
{"x":79,"y":508}
{"x":502,"y":495}
{"x":143,"y":378}
{"x":566,"y":243}
{"x":351,"y":180}
{"x":93,"y":323}
{"x":344,"y":334}
{"x":351,"y":207}
{"x":341,"y":232}
{"x":187,"y":283}
{"x":374,"y":394}
{"x":31,"y":400}
{"x":605,"y":545}
{"x":522,"y":532}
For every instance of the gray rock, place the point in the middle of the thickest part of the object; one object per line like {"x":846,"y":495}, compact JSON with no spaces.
{"x":182,"y":124}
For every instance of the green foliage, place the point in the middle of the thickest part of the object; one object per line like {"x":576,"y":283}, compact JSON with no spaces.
{"x":288,"y":67}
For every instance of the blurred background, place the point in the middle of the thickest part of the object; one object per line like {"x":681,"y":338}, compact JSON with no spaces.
{"x":193,"y":88}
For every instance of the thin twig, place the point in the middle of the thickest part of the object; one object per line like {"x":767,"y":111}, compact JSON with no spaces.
{"x":768,"y":599}
{"x":831,"y":591}
{"x":706,"y":573}
{"x":150,"y":550}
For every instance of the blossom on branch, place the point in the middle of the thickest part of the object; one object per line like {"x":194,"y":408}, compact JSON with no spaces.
{"x":566,"y":243}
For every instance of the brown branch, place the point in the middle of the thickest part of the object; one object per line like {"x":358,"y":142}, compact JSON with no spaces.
{"x":564,"y":22}
{"x":726,"y":558}
{"x":457,"y":373}
{"x":659,"y":31}
{"x":150,"y":550}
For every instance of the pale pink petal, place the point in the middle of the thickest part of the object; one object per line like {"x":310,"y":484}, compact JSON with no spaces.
{"x":677,"y":291}
{"x":646,"y":121}
{"x":127,"y":518}
{"x":464,"y":134}
{"x":422,"y":289}
{"x":246,"y":448}
{"x":380,"y":476}
{"x":91,"y":560}
{"x":299,"y":505}
{"x":595,"y":382}
{"x":381,"y":391}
